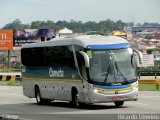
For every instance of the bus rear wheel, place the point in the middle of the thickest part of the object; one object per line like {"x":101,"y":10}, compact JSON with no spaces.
{"x":38,"y":96}
{"x":119,"y":103}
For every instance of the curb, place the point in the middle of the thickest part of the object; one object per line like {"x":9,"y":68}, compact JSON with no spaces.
{"x":10,"y":77}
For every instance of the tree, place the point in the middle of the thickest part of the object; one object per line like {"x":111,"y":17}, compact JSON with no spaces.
{"x":16,"y":24}
{"x":120,"y":25}
{"x":148,"y":37}
{"x":42,"y":24}
{"x":149,"y":51}
{"x":61,"y":24}
{"x":77,"y":26}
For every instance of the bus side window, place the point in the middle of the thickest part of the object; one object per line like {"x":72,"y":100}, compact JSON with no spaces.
{"x":81,"y":65}
{"x":68,"y":57}
{"x":33,"y":56}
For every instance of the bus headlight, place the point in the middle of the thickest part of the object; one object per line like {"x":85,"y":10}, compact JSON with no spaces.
{"x":95,"y":90}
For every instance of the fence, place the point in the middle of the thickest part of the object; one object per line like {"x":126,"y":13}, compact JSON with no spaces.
{"x":154,"y":73}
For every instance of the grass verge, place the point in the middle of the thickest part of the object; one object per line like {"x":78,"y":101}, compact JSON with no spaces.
{"x":10,"y":83}
{"x":148,"y":87}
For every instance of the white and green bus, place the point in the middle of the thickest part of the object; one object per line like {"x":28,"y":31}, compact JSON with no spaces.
{"x":83,"y":69}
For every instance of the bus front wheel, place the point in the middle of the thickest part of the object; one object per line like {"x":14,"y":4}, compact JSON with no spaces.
{"x":119,"y":103}
{"x":39,"y":99}
{"x":75,"y":99}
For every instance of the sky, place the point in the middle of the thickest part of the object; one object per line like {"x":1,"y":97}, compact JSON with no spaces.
{"x":137,"y":11}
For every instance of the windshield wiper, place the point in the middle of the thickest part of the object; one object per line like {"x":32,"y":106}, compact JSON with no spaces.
{"x":106,"y":77}
{"x":107,"y":72}
{"x":117,"y":68}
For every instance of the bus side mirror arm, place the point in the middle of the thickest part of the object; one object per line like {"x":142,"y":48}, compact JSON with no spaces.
{"x":86,"y":58}
{"x":140,"y":56}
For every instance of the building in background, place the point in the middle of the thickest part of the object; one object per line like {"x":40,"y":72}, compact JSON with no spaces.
{"x":65,"y":32}
{"x":136,"y":29}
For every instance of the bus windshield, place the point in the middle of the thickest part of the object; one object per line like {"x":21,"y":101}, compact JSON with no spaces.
{"x":109,"y":67}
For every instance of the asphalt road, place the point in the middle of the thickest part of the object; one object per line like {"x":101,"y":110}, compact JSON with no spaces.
{"x":13,"y":102}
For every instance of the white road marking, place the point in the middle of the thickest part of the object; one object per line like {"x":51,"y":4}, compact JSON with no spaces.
{"x":133,"y":103}
{"x":72,"y":112}
{"x":8,"y":103}
{"x":148,"y":96}
{"x":142,"y":104}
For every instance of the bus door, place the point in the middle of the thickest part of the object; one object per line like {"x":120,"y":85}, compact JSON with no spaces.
{"x":83,"y":69}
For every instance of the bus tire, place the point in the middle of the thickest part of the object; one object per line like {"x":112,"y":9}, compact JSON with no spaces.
{"x":75,"y":99}
{"x":119,"y":103}
{"x":39,"y":99}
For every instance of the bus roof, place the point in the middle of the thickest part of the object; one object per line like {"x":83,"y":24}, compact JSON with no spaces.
{"x":86,"y":41}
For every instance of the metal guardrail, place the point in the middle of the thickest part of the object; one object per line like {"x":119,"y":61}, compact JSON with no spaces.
{"x":154,"y":73}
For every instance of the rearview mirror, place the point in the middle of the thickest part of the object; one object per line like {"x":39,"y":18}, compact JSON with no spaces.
{"x":140,"y":56}
{"x":86,"y":58}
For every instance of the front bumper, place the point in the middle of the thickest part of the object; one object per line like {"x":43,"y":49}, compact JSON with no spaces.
{"x":100,"y":96}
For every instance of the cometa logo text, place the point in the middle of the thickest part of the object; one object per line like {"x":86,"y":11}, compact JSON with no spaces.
{"x":56,"y":73}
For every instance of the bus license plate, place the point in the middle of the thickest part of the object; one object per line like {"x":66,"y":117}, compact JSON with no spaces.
{"x":116,"y":98}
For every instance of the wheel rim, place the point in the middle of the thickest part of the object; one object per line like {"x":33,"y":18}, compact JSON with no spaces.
{"x":76,"y":100}
{"x":38,"y":98}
